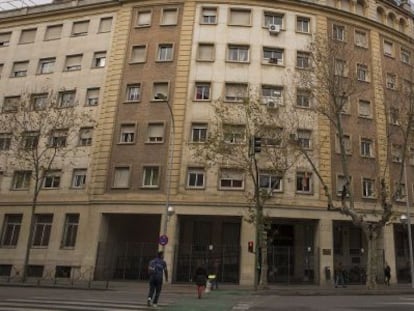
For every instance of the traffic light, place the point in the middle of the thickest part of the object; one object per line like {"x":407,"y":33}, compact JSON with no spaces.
{"x":250,"y":246}
{"x":257,"y":144}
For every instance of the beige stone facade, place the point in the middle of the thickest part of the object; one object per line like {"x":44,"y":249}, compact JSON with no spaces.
{"x":158,"y":66}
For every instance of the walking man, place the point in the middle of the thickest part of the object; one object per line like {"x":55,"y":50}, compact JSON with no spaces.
{"x":156,"y":268}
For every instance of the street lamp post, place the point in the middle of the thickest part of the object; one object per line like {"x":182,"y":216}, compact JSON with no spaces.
{"x":169,"y":210}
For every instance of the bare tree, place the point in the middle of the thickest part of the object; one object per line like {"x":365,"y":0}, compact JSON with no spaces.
{"x":250,"y":136}
{"x":42,"y":131}
{"x":334,"y":86}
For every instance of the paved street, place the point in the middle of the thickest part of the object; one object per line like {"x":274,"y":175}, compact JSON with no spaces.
{"x":132,"y":296}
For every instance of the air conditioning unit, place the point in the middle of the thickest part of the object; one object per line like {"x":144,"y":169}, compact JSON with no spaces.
{"x":271,"y":102}
{"x":274,"y":29}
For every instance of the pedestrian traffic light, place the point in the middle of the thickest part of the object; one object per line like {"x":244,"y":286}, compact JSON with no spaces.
{"x":250,"y":246}
{"x":257,"y":144}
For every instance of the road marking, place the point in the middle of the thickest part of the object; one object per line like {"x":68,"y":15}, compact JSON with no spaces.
{"x":241,"y":306}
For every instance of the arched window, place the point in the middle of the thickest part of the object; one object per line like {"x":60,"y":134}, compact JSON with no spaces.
{"x":332,"y":3}
{"x":391,"y":20}
{"x":380,"y":14}
{"x":360,"y":7}
{"x":402,"y":25}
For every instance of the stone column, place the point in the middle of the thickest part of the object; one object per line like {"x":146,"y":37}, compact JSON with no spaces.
{"x":169,"y":249}
{"x":247,"y":268}
{"x":324,"y":239}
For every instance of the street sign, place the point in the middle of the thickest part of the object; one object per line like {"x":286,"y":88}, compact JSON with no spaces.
{"x":163,"y":240}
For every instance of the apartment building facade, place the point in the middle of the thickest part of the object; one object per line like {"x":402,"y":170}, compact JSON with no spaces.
{"x":160,"y":67}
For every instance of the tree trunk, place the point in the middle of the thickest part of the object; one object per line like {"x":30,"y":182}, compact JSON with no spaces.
{"x":264,"y":263}
{"x":372,"y":259}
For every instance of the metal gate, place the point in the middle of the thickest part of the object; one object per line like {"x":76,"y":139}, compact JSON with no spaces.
{"x":222,"y":260}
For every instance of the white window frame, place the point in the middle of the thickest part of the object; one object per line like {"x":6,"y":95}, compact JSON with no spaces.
{"x":338,"y":32}
{"x":388,"y":48}
{"x":361,"y":38}
{"x":396,"y":153}
{"x":231,"y":179}
{"x":303,"y":98}
{"x":46,"y":65}
{"x":79,"y":178}
{"x":199,"y":132}
{"x":133,"y":92}
{"x":303,"y":60}
{"x":303,"y":24}
{"x":85,"y":136}
{"x":70,"y":231}
{"x":160,"y":91}
{"x":304,"y":138}
{"x":11,"y":103}
{"x":92,"y":96}
{"x":202,"y":91}
{"x":73,"y":62}
{"x":21,"y":180}
{"x":238,"y":53}
{"x":405,"y":56}
{"x":273,"y":55}
{"x":270,"y":182}
{"x":99,"y":59}
{"x":66,"y":99}
{"x":366,"y":147}
{"x":165,"y":52}
{"x":151,"y":176}
{"x":273,"y":18}
{"x":235,"y":92}
{"x":362,"y":73}
{"x":340,"y":182}
{"x":52,"y":179}
{"x":368,"y":188}
{"x":234,"y":134}
{"x":127,"y":133}
{"x":19,"y":69}
{"x":209,"y":16}
{"x":304,"y":182}
{"x":196,"y":178}
{"x":364,"y":109}
{"x":391,"y":81}
{"x":347,"y":143}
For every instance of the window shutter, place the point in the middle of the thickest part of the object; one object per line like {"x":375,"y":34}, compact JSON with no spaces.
{"x":105,"y":25}
{"x":28,"y":36}
{"x":138,"y":54}
{"x":53,"y":32}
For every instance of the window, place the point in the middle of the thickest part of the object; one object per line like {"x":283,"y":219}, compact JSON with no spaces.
{"x":347,"y":144}
{"x":52,"y":179}
{"x":231,"y":179}
{"x":272,"y":18}
{"x":46,"y":65}
{"x":11,"y":230}
{"x":270,"y":182}
{"x":79,"y":178}
{"x":21,"y":180}
{"x":235,"y":92}
{"x":11,"y":103}
{"x":165,"y":53}
{"x":401,"y":196}
{"x":208,"y":16}
{"x":127,"y":133}
{"x":1,"y":69}
{"x":144,"y":18}
{"x":5,"y":270}
{"x":304,"y":138}
{"x":58,"y":138}
{"x":27,"y":36}
{"x":202,"y":91}
{"x":340,"y":67}
{"x":42,"y":229}
{"x":391,"y":81}
{"x":66,"y":99}
{"x":5,"y":141}
{"x":53,"y":32}
{"x":361,"y":39}
{"x":338,"y":32}
{"x":151,"y":177}
{"x":367,"y":149}
{"x":63,"y":272}
{"x":394,"y":116}
{"x":35,"y":271}
{"x":19,"y":69}
{"x":198,"y":132}
{"x":195,"y":178}
{"x":273,"y":55}
{"x":73,"y":62}
{"x":388,"y":48}
{"x":80,"y":28}
{"x":39,"y":101}
{"x":240,"y":17}
{"x":133,"y":92}
{"x":362,"y":72}
{"x":70,"y":230}
{"x":303,"y":24}
{"x":85,"y":136}
{"x":303,"y":98}
{"x":92,"y":96}
{"x":30,"y":140}
{"x":105,"y":24}
{"x":238,"y":53}
{"x":396,"y":153}
{"x":155,"y":133}
{"x":121,"y":177}
{"x":364,"y":109}
{"x":405,"y":56}
{"x":205,"y":52}
{"x":368,"y":188}
{"x":5,"y":39}
{"x":99,"y":60}
{"x":340,"y":184}
{"x":272,"y":136}
{"x":234,"y":134}
{"x":272,"y":96}
{"x":160,"y":91}
{"x":303,"y":60}
{"x":139,"y":54}
{"x":169,"y":16}
{"x":304,"y":182}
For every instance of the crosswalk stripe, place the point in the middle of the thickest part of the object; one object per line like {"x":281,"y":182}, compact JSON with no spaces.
{"x":53,"y":304}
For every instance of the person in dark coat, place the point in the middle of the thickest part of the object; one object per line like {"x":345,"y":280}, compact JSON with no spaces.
{"x":387,"y":275}
{"x":200,"y":279}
